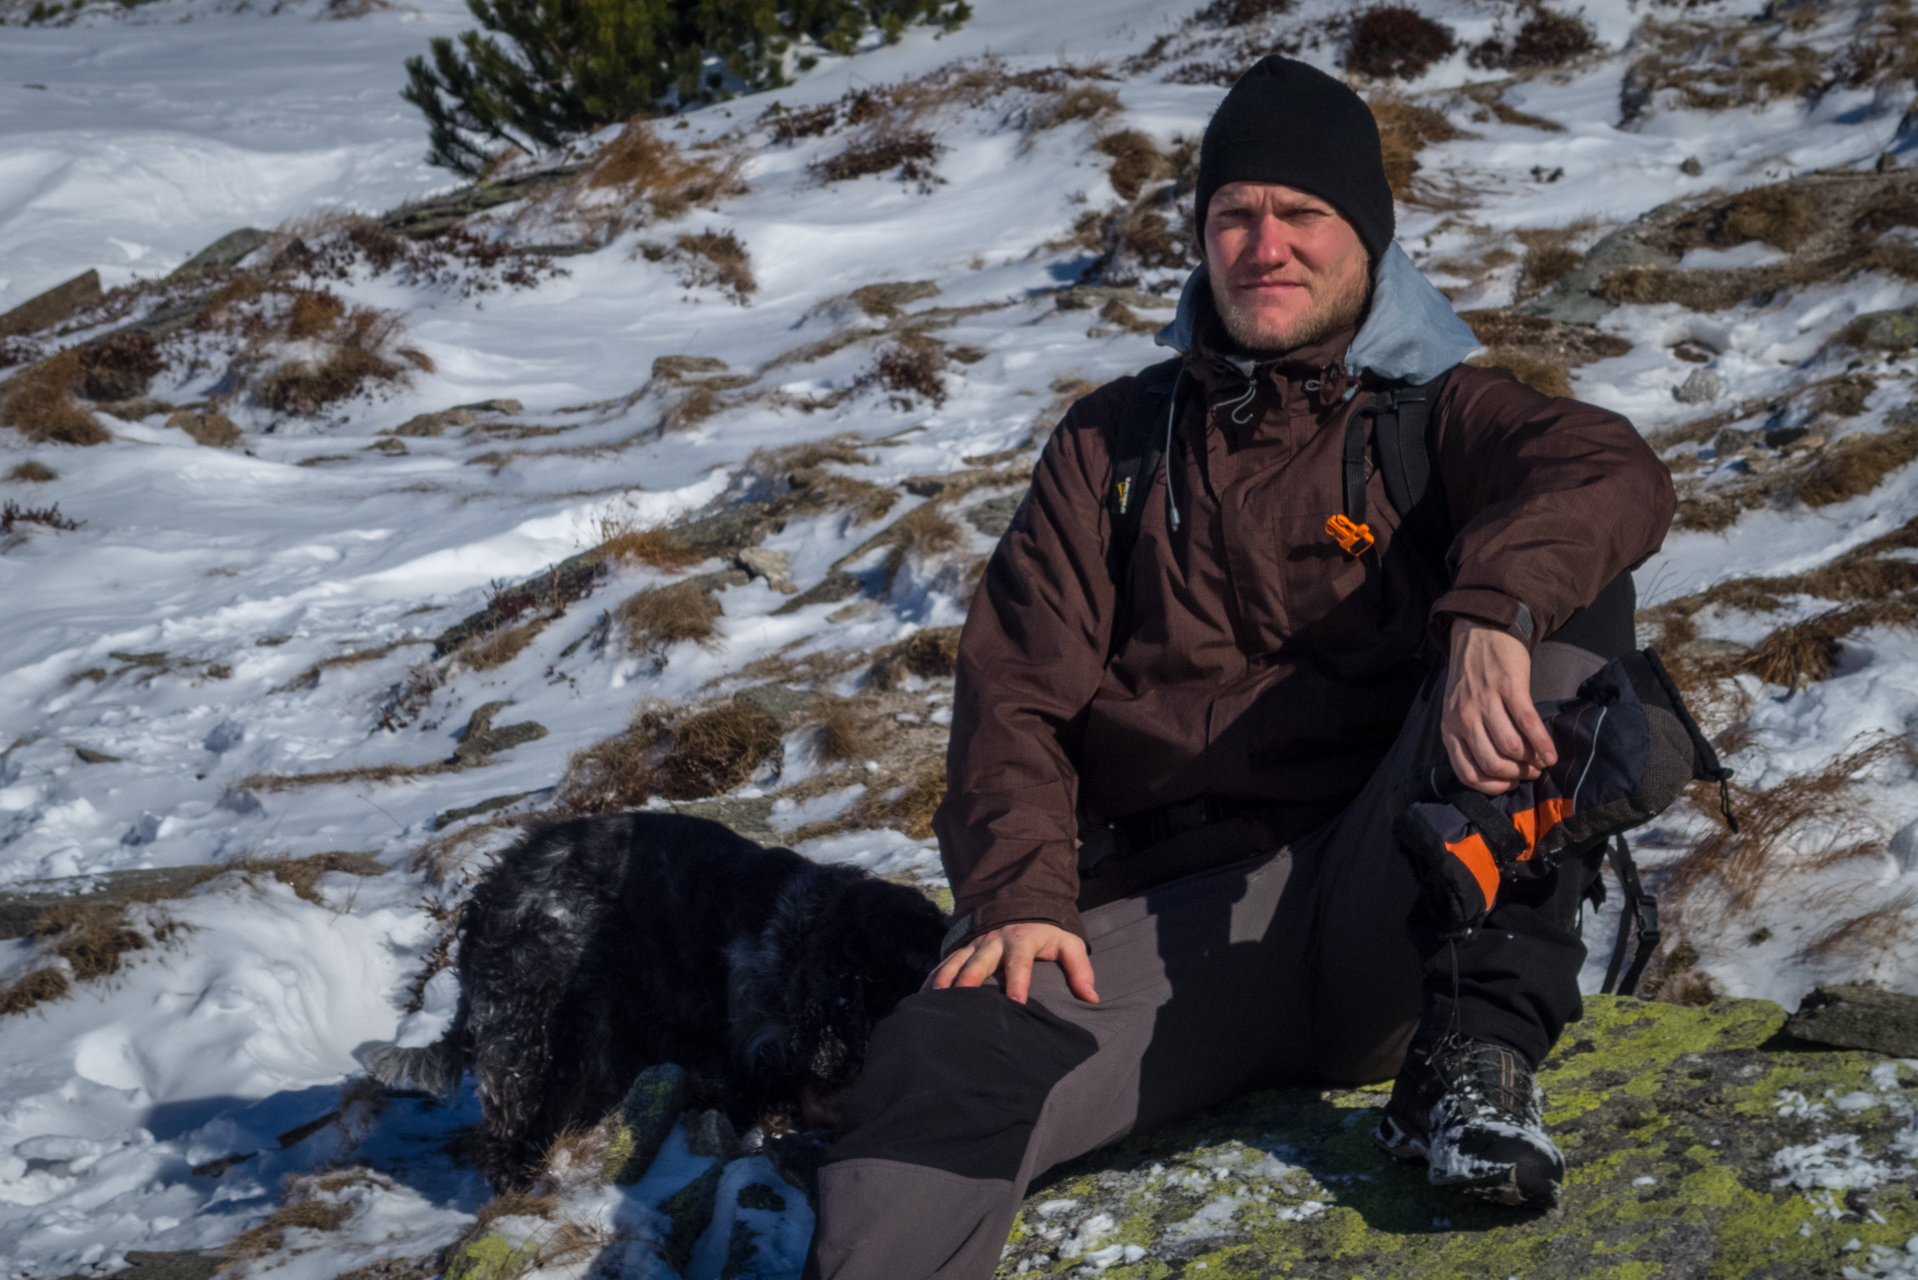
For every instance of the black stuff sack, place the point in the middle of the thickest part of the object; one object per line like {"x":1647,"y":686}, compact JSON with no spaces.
{"x":1627,"y":747}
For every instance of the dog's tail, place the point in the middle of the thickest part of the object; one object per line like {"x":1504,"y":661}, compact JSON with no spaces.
{"x":436,"y":1069}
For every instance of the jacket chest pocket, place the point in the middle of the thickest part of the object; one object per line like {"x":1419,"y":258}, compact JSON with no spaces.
{"x":1331,"y":597}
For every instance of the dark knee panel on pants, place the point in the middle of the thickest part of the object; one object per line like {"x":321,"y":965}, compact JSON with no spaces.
{"x":955,"y":1081}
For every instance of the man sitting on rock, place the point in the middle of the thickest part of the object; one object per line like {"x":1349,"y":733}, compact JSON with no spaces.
{"x":1175,"y":764}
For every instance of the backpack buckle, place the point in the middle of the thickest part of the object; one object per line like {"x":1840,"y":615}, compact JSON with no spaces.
{"x":1353,"y":539}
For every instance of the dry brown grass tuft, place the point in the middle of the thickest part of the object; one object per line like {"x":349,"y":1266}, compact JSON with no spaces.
{"x":718,"y":259}
{"x":842,"y":733}
{"x":643,"y":164}
{"x":659,"y":617}
{"x":1811,"y":821}
{"x":1136,"y":161}
{"x":37,"y":986}
{"x":717,"y":750}
{"x":1805,"y":652}
{"x":909,"y":152}
{"x":1550,"y":256}
{"x":1079,"y":102}
{"x":932,"y":654}
{"x":923,"y":532}
{"x":355,"y":357}
{"x":1545,"y":376}
{"x":913,"y":369}
{"x":1857,"y":464}
{"x":39,"y":403}
{"x":1714,"y":67}
{"x":619,"y":540}
{"x":32,"y":471}
{"x":618,"y":772}
{"x":1391,"y":41}
{"x":1405,"y":129}
{"x":90,"y":938}
{"x":498,"y":647}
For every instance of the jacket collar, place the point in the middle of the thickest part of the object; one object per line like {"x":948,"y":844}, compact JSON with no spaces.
{"x":1411,"y":334}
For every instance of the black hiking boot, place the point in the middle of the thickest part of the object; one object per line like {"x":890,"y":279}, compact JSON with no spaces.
{"x":1473,"y":1113}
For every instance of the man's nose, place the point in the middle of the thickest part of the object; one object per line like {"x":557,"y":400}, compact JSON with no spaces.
{"x":1271,"y":242}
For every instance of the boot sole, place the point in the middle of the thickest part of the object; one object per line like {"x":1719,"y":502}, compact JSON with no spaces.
{"x":1502,"y":1189}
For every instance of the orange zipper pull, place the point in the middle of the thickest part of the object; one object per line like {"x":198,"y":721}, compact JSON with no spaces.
{"x":1355,"y":539}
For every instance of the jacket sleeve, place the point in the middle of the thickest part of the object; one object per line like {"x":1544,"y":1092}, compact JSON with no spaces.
{"x":1030,"y":659}
{"x":1550,"y":498}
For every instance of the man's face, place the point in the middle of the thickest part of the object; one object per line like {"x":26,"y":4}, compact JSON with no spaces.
{"x":1286,"y":268}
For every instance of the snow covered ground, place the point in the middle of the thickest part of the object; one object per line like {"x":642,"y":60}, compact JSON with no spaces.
{"x":127,"y":143}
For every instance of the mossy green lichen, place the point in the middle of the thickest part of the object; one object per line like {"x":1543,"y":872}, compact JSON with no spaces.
{"x":491,"y":1257}
{"x":1672,"y":1121}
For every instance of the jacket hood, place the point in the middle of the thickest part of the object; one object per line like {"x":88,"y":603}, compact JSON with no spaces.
{"x":1411,"y":334}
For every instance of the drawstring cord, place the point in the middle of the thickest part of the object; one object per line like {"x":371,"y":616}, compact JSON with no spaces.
{"x":1171,"y":415}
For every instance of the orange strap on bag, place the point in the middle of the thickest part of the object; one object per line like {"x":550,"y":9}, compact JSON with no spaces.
{"x":1355,"y":539}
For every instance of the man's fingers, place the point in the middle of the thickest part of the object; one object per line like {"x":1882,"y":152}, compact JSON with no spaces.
{"x":1078,"y":967}
{"x":1537,"y":737}
{"x":982,"y":964}
{"x":941,"y":977}
{"x":1016,"y":973}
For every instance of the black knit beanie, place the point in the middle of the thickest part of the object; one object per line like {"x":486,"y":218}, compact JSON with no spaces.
{"x":1292,"y":124}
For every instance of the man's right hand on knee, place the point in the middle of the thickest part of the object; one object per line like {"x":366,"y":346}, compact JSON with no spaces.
{"x":1009,"y":952}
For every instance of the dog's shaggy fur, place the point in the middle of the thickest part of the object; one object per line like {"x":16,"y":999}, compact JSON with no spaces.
{"x":600,"y":946}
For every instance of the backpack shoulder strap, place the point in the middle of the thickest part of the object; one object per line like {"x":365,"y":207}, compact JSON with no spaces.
{"x":1136,"y":450}
{"x":1408,"y":458}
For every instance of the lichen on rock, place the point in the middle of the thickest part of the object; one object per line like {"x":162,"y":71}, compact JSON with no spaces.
{"x":1698,"y":1143}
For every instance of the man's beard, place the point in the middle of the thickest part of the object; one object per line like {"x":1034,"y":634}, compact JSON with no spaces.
{"x":1337,"y":308}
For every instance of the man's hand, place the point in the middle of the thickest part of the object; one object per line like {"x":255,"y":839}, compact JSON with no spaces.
{"x":1491,"y":730}
{"x":1009,"y":952}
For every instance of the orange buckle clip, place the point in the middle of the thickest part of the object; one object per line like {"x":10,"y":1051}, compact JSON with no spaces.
{"x":1356,"y":539}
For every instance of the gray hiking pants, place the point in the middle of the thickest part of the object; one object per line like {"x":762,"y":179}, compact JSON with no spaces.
{"x":1279,"y":968}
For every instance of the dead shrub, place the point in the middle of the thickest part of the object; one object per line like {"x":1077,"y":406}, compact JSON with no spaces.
{"x":910,"y":152}
{"x":1715,"y":67}
{"x":1546,"y":39}
{"x":1541,"y":375}
{"x":643,"y":164}
{"x":932,"y":654}
{"x":1807,"y":822}
{"x":1080,"y":102}
{"x":12,"y":513}
{"x":616,"y":773}
{"x":40,"y":404}
{"x":620,"y":541}
{"x":356,"y":342}
{"x":1780,"y":216}
{"x":36,"y":987}
{"x":1405,"y":129}
{"x":718,"y":259}
{"x":1393,"y":42}
{"x":1867,"y":937}
{"x":913,"y":369}
{"x":717,"y":750}
{"x":32,"y":471}
{"x":1856,"y":465}
{"x":1843,"y":397}
{"x":311,"y":312}
{"x":660,"y":617}
{"x":842,"y":733}
{"x":1136,"y":160}
{"x":1237,"y":13}
{"x":117,"y":367}
{"x":498,"y":647}
{"x":90,"y":938}
{"x":1549,"y":256}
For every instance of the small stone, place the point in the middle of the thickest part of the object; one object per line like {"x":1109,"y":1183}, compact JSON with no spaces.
{"x":647,"y":1114}
{"x":432,"y":424}
{"x":1859,"y":1017}
{"x":994,"y":516}
{"x":790,"y":707}
{"x":757,"y":1195}
{"x":1731,"y":441}
{"x":45,"y":310}
{"x":1885,"y":330}
{"x":710,"y":1133}
{"x":1691,"y":168}
{"x":212,"y":429}
{"x":838,"y":585}
{"x":1712,"y":651}
{"x":672,"y":368}
{"x":491,"y":1257}
{"x":1886,"y":162}
{"x":225,"y":252}
{"x":390,"y":447}
{"x":1785,"y":437}
{"x":89,"y":756}
{"x":774,"y":566}
{"x":481,"y":740}
{"x":690,"y":1211}
{"x":492,"y":804}
{"x":507,"y":407}
{"x":1702,"y":387}
{"x":224,"y":736}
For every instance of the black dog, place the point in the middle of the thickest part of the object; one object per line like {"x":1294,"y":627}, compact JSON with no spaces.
{"x":597,"y":947}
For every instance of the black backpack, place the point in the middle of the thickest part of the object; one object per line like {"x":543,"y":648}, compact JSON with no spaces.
{"x":1408,"y":461}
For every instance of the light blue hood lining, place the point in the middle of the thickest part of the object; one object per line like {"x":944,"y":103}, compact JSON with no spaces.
{"x":1411,"y":334}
